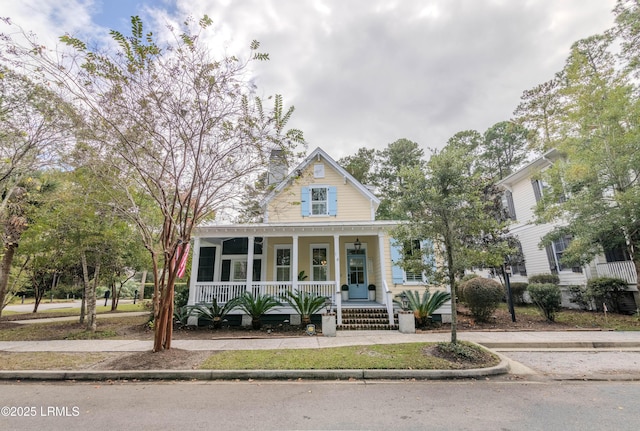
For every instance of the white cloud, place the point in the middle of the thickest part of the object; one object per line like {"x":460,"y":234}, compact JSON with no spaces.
{"x":367,"y":72}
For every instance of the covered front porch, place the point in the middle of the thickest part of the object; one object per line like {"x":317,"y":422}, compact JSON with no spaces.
{"x":347,"y":262}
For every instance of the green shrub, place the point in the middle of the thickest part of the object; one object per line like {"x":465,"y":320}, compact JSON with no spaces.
{"x":578,"y":295}
{"x":544,"y":279}
{"x":517,"y":292}
{"x":606,"y":290}
{"x":482,"y":295}
{"x":547,"y":297}
{"x":215,"y":313}
{"x":305,"y":304}
{"x":458,"y":288}
{"x":181,"y":296}
{"x":256,"y":306}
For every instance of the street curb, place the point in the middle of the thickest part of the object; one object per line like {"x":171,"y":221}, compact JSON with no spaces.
{"x":560,"y":345}
{"x":97,"y":375}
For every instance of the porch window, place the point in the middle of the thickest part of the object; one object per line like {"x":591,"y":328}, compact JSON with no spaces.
{"x":206,"y":264}
{"x":319,"y":263}
{"x":283,"y":263}
{"x":239,"y":270}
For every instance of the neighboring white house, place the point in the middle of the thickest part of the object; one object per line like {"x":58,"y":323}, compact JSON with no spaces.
{"x":319,"y":234}
{"x":523,"y":189}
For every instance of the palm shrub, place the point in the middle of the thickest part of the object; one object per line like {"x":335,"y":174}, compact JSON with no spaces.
{"x":214,"y":313}
{"x":423,"y":307}
{"x":606,"y":290}
{"x":547,"y":297}
{"x":256,"y":306}
{"x":305,"y":304}
{"x":482,"y":295}
{"x":181,"y":316}
{"x":544,"y":279}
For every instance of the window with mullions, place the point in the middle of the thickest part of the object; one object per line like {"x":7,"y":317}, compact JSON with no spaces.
{"x":319,"y":201}
{"x":319,"y":263}
{"x":283,"y":263}
{"x":555,"y":252}
{"x":412,"y":251}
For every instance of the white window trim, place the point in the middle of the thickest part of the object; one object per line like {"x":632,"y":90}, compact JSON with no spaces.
{"x":328,"y":266}
{"x":275,"y":260}
{"x":311,"y":201}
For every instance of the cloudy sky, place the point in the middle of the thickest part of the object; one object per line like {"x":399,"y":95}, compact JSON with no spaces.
{"x":368,"y":72}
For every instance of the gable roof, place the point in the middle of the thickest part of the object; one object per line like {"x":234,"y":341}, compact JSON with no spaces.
{"x":319,"y":152}
{"x":534,"y":166}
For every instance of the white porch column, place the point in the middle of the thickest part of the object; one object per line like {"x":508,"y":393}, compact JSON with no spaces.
{"x":249,"y":264}
{"x":294,"y":263}
{"x":337,"y":292}
{"x":382,"y":264}
{"x":195,"y":261}
{"x":388,"y":300}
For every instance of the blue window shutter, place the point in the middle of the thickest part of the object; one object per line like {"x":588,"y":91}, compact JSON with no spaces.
{"x":333,"y":200}
{"x":305,"y":202}
{"x":397,"y":273}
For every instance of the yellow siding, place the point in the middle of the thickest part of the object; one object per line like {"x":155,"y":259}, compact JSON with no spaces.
{"x":352,"y":204}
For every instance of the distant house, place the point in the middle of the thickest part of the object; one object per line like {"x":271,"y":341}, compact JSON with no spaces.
{"x":319,"y":234}
{"x":522,"y":190}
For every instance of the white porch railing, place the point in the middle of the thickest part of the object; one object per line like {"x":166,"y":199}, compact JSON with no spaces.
{"x":624,"y":270}
{"x":224,"y":291}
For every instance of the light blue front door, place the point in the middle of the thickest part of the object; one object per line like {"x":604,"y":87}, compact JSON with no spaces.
{"x":357,"y":273}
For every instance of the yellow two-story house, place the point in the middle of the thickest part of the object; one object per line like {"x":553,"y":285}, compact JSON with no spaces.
{"x":318,"y":234}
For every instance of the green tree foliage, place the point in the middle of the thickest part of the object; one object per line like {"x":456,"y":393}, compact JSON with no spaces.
{"x":594,"y":188}
{"x":361,"y":165}
{"x":390,"y":180}
{"x":503,"y":149}
{"x":448,"y":206}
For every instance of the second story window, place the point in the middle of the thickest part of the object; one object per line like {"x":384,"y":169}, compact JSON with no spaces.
{"x":319,"y":202}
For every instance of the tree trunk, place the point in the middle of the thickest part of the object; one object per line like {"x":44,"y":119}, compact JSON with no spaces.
{"x":5,"y":268}
{"x":142,"y":283}
{"x":452,"y":282}
{"x":89,"y":293}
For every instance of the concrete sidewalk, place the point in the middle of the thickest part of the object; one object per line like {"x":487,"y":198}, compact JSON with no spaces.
{"x":499,"y":340}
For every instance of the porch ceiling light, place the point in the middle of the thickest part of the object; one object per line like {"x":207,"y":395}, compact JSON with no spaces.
{"x":357,"y":244}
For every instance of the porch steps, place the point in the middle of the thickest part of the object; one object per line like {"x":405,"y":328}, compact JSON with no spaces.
{"x":366,"y":319}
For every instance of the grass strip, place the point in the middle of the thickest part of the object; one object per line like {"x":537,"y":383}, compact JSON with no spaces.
{"x":409,"y":356}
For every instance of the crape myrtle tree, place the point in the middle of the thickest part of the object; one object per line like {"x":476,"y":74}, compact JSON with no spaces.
{"x":175,"y":123}
{"x":446,"y":203}
{"x":594,"y":189}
